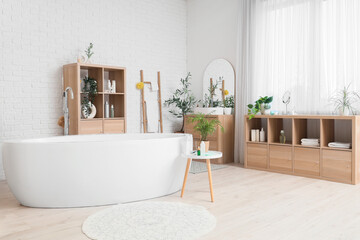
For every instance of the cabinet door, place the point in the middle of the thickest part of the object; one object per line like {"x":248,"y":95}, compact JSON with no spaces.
{"x":114,"y":126}
{"x":280,"y":158}
{"x":257,"y":155}
{"x":307,"y":161}
{"x":91,"y":127}
{"x":337,"y":165}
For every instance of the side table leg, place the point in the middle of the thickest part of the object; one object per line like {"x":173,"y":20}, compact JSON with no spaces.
{"x":210,"y":179}
{"x":185,"y":177}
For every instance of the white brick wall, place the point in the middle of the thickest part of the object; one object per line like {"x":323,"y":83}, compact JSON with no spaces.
{"x":37,"y":37}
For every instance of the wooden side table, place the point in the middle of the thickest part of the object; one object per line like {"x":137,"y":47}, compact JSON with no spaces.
{"x":209,"y":155}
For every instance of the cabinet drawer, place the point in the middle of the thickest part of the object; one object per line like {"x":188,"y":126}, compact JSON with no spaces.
{"x":337,"y":165}
{"x":257,"y":155}
{"x":280,"y":158}
{"x":114,"y":126}
{"x":307,"y":161}
{"x":90,"y":127}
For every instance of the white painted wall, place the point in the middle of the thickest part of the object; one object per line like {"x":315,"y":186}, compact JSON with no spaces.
{"x":37,"y":37}
{"x":212,"y":33}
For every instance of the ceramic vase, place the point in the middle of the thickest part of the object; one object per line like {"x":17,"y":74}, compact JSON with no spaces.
{"x":344,"y":111}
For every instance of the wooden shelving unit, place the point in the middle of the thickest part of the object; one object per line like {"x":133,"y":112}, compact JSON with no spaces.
{"x":73,"y":74}
{"x":323,"y":162}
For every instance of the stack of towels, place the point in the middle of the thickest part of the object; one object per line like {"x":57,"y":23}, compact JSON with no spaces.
{"x":311,"y":142}
{"x":339,"y":145}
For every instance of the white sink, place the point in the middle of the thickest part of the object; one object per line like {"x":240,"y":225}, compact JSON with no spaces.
{"x":209,"y":111}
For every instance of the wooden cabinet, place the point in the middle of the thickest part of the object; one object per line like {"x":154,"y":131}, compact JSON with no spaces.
{"x":73,"y":75}
{"x":337,"y":165}
{"x":219,"y":141}
{"x":257,"y":155}
{"x":317,"y":160}
{"x":280,"y":158}
{"x":307,"y":161}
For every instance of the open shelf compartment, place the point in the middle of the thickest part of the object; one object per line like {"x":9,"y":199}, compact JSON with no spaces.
{"x":256,"y":123}
{"x":336,"y":130}
{"x":119,"y":104}
{"x":115,"y":74}
{"x":306,"y":128}
{"x":98,"y":105}
{"x":93,"y":72}
{"x":278,"y":124}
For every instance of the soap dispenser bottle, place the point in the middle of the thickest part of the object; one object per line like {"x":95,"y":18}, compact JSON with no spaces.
{"x":202,"y":148}
{"x":282,"y":137}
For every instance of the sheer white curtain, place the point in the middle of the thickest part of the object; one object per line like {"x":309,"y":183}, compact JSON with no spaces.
{"x":308,"y":47}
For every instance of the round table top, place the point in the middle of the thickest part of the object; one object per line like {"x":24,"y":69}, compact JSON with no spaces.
{"x":208,"y":155}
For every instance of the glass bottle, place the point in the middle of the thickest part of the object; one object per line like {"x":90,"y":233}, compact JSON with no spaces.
{"x":282,"y":137}
{"x":112,"y":111}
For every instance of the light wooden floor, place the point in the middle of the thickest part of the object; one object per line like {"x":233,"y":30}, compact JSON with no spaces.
{"x":249,"y":205}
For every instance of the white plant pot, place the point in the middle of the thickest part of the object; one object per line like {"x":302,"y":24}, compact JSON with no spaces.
{"x":227,"y":111}
{"x":344,"y":111}
{"x":209,"y":111}
{"x":262,"y":109}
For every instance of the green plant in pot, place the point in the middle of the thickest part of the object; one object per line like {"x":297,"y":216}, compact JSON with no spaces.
{"x":183,"y":100}
{"x":205,"y":127}
{"x":228,"y":104}
{"x":261,"y":105}
{"x":88,"y":98}
{"x":343,"y":101}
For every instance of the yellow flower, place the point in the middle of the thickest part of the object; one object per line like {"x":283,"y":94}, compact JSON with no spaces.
{"x":226,"y":92}
{"x":140,"y":85}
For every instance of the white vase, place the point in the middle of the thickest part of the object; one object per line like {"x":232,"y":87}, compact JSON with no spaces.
{"x":344,"y":111}
{"x":262,"y":109}
{"x":227,"y":111}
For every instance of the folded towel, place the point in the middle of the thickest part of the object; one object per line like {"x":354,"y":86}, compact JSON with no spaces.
{"x":310,"y":144}
{"x":339,"y":145}
{"x":310,"y":140}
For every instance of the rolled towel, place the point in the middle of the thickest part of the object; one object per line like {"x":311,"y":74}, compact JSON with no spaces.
{"x":339,"y":145}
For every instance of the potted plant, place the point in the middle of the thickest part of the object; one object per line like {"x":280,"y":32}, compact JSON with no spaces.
{"x":261,"y":105}
{"x":229,"y":105}
{"x":90,"y":91}
{"x":183,"y":100}
{"x":205,"y":127}
{"x":343,"y":101}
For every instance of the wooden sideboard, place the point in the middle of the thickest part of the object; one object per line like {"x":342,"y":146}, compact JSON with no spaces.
{"x":323,"y":162}
{"x":219,"y":140}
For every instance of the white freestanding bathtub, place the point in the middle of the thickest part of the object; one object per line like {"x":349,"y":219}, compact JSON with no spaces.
{"x":92,"y":170}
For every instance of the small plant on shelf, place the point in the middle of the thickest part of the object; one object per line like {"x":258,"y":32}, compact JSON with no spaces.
{"x":90,"y":92}
{"x":262,"y":104}
{"x":89,"y":52}
{"x":183,"y":100}
{"x":205,"y":126}
{"x":343,"y":101}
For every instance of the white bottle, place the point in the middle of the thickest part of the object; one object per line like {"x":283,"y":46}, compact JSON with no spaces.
{"x":108,"y":86}
{"x":202,"y":148}
{"x":113,"y":86}
{"x":106,"y":109}
{"x":262,"y":135}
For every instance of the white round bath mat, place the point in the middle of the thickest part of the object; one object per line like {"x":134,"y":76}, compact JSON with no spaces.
{"x":149,"y":221}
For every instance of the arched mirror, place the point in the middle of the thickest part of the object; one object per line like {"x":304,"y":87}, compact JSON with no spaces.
{"x":221,"y":74}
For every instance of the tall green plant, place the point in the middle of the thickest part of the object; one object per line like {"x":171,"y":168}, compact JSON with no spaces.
{"x":183,"y":100}
{"x":204,"y":126}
